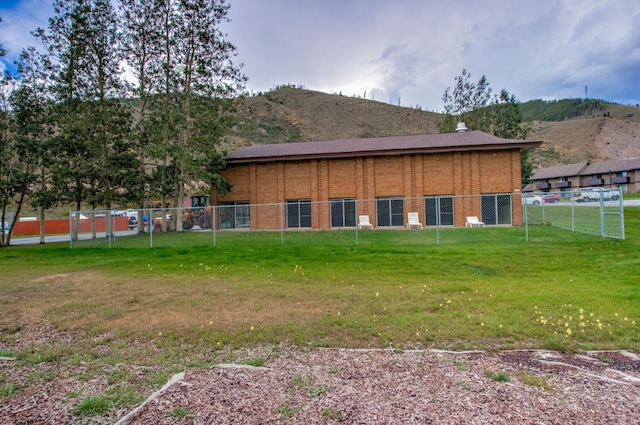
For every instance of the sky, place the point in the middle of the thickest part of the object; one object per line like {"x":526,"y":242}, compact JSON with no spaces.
{"x":409,"y":51}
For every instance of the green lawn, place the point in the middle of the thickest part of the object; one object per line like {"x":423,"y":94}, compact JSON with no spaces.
{"x":392,"y":289}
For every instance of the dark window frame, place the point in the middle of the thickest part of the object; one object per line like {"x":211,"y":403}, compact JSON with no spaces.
{"x":342,"y":212}
{"x":390,"y":211}
{"x":298,"y":214}
{"x":230,"y":215}
{"x":496,"y":208}
{"x":439,"y":210}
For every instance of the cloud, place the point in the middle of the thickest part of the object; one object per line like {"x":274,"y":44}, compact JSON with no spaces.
{"x":17,"y":23}
{"x":413,"y":49}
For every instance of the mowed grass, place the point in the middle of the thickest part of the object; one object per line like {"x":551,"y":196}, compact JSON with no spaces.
{"x":391,"y":290}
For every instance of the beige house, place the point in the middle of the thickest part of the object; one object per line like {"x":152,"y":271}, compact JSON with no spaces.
{"x":623,"y":173}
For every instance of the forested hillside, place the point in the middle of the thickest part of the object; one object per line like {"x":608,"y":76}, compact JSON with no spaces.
{"x":572,"y":130}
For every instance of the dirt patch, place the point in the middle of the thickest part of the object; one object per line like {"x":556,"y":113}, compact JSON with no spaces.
{"x":318,"y":386}
{"x":391,"y":387}
{"x":52,"y":278}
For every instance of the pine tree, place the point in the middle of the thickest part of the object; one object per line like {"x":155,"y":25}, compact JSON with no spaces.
{"x":141,"y":35}
{"x":196,"y":83}
{"x":92,"y":144}
{"x":475,"y":104}
{"x":33,"y":128}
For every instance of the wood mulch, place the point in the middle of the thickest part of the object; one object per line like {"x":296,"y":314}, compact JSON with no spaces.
{"x":319,"y":386}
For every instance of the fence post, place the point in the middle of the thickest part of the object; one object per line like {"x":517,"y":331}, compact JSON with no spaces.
{"x":108,"y":227}
{"x":573,"y":214}
{"x":213,"y":224}
{"x":621,"y":213}
{"x":281,"y":225}
{"x":70,"y":229}
{"x":526,"y":220}
{"x":437,"y":219}
{"x":150,"y":224}
{"x":357,"y":222}
{"x":601,"y":214}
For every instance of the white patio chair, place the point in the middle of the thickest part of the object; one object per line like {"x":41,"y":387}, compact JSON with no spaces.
{"x":413,"y":220}
{"x":363,"y":222}
{"x":473,"y":221}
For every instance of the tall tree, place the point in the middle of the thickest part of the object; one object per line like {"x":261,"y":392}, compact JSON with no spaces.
{"x":93,"y":124}
{"x":33,"y":132}
{"x":507,"y":123}
{"x":141,"y":34}
{"x":466,"y":103}
{"x":207,"y":84}
{"x":66,"y":42}
{"x":9,"y":168}
{"x":475,"y":104}
{"x":6,"y":154}
{"x":197,"y":83}
{"x":111,"y":127}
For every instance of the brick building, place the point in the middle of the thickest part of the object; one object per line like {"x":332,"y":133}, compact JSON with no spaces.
{"x":327,"y":184}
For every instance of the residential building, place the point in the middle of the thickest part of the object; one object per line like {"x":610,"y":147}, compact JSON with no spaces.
{"x":326,"y":184}
{"x":624,"y":173}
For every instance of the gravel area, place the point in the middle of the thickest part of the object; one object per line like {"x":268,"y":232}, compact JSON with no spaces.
{"x":319,"y":386}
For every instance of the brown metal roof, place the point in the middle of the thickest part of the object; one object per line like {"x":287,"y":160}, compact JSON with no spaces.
{"x":559,"y":171}
{"x":394,"y":145}
{"x":612,"y":166}
{"x":586,"y":169}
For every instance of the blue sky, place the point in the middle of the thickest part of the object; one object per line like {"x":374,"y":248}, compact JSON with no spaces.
{"x":411,"y":50}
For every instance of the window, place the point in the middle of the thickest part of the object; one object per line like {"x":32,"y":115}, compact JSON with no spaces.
{"x":496,"y":209}
{"x":343,"y":213}
{"x":234,"y":215}
{"x":390,"y":212}
{"x":298,"y":214}
{"x":438,"y":211}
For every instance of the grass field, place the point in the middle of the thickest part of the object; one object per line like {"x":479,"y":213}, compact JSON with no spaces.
{"x":560,"y":294}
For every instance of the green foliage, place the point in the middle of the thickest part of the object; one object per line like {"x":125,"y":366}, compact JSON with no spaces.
{"x":179,"y":412}
{"x":498,"y":377}
{"x":461,"y":365}
{"x":118,"y":375}
{"x":475,"y":105}
{"x":526,"y":168}
{"x":287,"y":411}
{"x":308,"y":384}
{"x":42,"y":354}
{"x":263,"y":130}
{"x":329,"y":414}
{"x":256,"y":362}
{"x":9,"y":390}
{"x":40,"y":376}
{"x":88,"y":143}
{"x":535,"y":381}
{"x":92,"y":406}
{"x":561,"y":110}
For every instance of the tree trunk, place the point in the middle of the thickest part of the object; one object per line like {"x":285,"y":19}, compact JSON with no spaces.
{"x":42,"y":228}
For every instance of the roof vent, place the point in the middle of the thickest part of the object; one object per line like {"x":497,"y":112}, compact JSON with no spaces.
{"x":460,"y":127}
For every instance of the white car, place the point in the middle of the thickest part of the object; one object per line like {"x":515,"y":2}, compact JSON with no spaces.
{"x":531,"y":199}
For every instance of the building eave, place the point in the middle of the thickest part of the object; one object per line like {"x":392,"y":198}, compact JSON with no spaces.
{"x":523,"y":145}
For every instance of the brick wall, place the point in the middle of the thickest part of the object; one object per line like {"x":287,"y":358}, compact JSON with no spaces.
{"x":407,"y":176}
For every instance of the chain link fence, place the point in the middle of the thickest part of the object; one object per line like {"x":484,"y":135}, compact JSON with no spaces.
{"x":499,"y":218}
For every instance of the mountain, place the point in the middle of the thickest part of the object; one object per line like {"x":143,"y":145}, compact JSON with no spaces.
{"x":572,"y":130}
